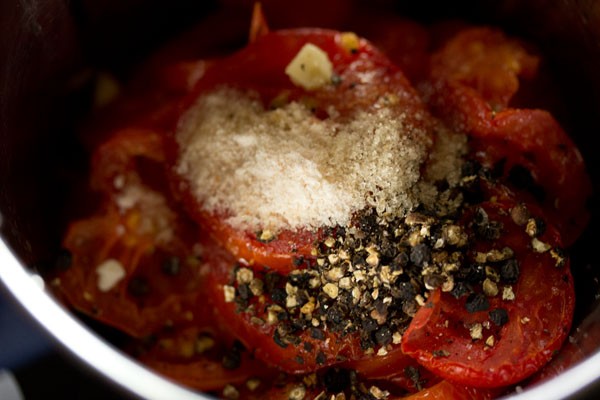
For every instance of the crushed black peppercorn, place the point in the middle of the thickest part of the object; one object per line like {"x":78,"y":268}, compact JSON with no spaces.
{"x":499,"y":316}
{"x":477,"y":302}
{"x":368,"y":279}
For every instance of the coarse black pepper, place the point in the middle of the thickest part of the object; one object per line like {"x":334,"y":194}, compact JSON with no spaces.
{"x":499,"y":316}
{"x":317,"y":333}
{"x":460,"y":289}
{"x":441,"y":353}
{"x":509,"y":271}
{"x":560,"y":256}
{"x":477,"y":302}
{"x":320,"y":358}
{"x":278,"y":340}
{"x":414,"y":375}
{"x":420,"y":254}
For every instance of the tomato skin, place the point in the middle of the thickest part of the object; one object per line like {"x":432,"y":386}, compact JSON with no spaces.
{"x":286,"y":252}
{"x":539,"y":319}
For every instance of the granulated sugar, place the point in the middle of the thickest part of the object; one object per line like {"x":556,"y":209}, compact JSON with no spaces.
{"x":285,"y":168}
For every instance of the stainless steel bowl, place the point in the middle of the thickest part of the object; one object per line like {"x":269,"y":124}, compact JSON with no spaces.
{"x":48,"y":46}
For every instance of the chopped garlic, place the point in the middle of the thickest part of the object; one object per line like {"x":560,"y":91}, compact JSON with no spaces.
{"x":228,"y":293}
{"x":349,"y":41}
{"x":311,"y":68}
{"x":539,"y":246}
{"x":110,"y":273}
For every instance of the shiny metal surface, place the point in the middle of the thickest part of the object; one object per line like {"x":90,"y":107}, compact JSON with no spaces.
{"x":46,"y":44}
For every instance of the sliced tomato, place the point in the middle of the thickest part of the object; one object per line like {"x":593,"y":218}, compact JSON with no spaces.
{"x":487,"y":61}
{"x":285,"y":252}
{"x":364,"y":77}
{"x":184,"y":356}
{"x":447,"y":390}
{"x":473,"y":77}
{"x":395,"y":367}
{"x":146,"y":297}
{"x":539,"y":317}
{"x":139,"y":232}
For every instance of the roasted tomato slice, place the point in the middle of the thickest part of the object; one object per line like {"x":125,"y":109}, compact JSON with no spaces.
{"x":487,"y":61}
{"x":541,"y":161}
{"x":396,"y":368}
{"x":133,"y":264}
{"x":509,"y":337}
{"x":361,"y":77}
{"x":203,"y":358}
{"x":473,"y":77}
{"x":448,"y":390}
{"x":284,"y":251}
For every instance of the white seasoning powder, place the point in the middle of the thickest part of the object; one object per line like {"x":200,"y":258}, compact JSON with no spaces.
{"x":285,"y":168}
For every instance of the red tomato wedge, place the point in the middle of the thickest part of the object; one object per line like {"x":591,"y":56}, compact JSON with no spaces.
{"x":539,"y":318}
